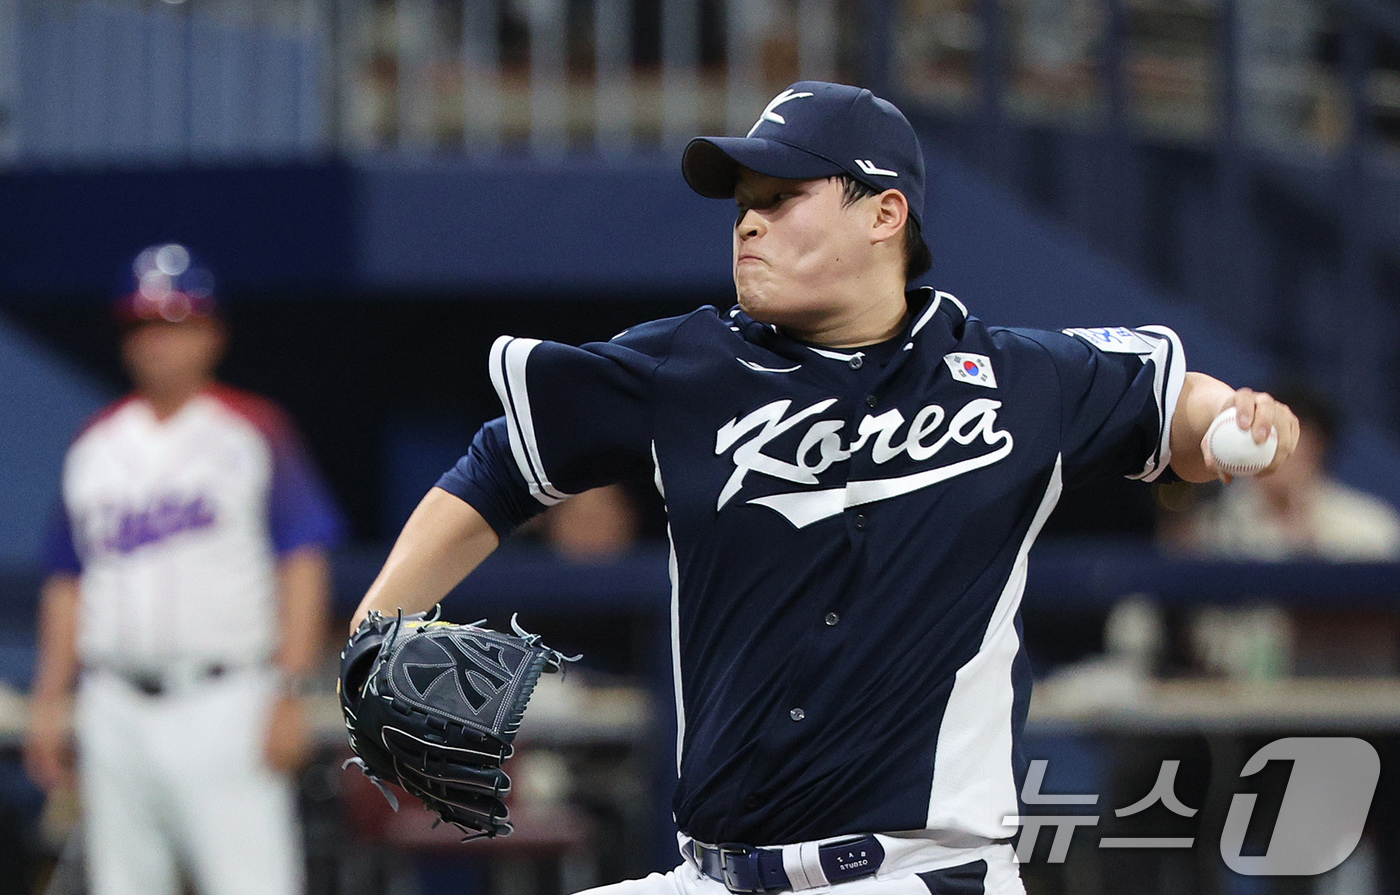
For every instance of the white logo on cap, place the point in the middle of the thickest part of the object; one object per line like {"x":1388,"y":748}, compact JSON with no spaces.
{"x":869,"y":167}
{"x":770,"y":115}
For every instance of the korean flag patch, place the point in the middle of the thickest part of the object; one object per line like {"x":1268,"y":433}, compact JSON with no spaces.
{"x":973,"y":368}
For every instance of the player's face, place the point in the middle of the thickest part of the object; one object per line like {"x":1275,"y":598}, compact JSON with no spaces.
{"x":172,"y":357}
{"x":797,"y":250}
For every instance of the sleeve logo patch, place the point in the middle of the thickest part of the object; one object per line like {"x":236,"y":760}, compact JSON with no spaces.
{"x":972,"y":368}
{"x":1115,"y":339}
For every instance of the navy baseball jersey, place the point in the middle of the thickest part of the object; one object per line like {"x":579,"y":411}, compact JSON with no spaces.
{"x":849,"y":533}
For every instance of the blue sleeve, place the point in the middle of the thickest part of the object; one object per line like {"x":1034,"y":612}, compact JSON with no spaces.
{"x":1118,"y":390}
{"x":60,"y":552}
{"x":487,"y":478}
{"x":301,"y":511}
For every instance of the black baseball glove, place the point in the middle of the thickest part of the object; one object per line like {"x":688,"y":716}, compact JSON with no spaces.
{"x":434,"y":708}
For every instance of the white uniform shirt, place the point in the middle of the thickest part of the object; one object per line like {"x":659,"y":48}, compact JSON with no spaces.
{"x":175,"y":527}
{"x":1343,"y":524}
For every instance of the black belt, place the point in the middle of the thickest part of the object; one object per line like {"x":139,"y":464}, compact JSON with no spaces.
{"x":744,"y":868}
{"x":153,"y":683}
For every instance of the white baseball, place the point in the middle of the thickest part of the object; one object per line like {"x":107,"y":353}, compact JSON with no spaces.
{"x":1234,"y":449}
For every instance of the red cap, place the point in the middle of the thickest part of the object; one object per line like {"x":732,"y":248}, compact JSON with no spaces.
{"x":167,"y":285}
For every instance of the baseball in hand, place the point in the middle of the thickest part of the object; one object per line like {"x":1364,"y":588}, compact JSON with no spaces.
{"x":1234,"y":449}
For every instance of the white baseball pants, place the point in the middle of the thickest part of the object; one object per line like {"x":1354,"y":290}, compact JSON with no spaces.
{"x":179,"y":781}
{"x":912,"y":866}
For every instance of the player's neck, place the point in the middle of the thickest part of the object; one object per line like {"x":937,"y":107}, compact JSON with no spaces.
{"x":865,"y":321}
{"x":166,"y":401}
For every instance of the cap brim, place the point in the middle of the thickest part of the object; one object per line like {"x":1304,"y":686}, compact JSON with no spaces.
{"x":175,"y":307}
{"x":711,"y":164}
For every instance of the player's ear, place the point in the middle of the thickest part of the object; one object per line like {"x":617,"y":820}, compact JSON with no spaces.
{"x":891,"y":214}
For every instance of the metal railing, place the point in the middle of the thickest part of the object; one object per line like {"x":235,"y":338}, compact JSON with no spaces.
{"x":603,"y":75}
{"x":121,"y":82}
{"x":110,"y":80}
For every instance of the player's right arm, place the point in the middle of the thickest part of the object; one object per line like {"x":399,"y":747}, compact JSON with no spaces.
{"x":442,"y":542}
{"x":575,"y":418}
{"x":48,"y":751}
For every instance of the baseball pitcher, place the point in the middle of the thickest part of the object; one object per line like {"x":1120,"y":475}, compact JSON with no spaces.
{"x":854,"y":473}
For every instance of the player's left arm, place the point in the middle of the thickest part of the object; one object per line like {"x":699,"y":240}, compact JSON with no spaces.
{"x":303,"y":524}
{"x":1202,"y":399}
{"x":303,"y":578}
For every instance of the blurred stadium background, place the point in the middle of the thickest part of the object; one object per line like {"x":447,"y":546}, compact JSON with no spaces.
{"x":384,"y":186}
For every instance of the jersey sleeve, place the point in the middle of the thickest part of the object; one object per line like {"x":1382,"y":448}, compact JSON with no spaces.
{"x":60,"y":552}
{"x":488,"y":478}
{"x":575,"y":418}
{"x":1118,"y":391}
{"x":301,"y":510}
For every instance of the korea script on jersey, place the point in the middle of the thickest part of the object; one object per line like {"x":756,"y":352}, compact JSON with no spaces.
{"x":822,"y":447}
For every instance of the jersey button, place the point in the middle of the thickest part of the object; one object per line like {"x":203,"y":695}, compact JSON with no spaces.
{"x":750,"y":802}
{"x":871,"y":401}
{"x":797,"y":714}
{"x":860,"y":522}
{"x":831,"y":619}
{"x":857,"y":362}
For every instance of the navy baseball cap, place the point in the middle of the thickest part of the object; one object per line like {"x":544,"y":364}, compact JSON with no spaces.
{"x":167,"y":284}
{"x":816,"y":129}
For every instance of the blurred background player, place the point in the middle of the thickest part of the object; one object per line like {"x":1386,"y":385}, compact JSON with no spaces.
{"x":186,"y":602}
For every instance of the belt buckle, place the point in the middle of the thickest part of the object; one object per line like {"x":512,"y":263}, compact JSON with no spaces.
{"x":739,"y":851}
{"x":148,"y":684}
